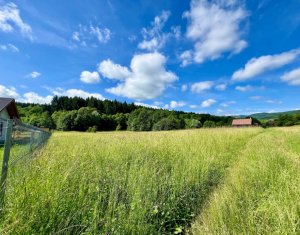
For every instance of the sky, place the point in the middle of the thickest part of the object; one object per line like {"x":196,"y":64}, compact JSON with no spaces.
{"x":224,"y":57}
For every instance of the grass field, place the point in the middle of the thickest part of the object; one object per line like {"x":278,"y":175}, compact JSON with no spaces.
{"x":207,"y":181}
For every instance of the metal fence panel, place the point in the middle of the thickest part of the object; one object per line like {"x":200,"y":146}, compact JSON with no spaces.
{"x":18,"y":141}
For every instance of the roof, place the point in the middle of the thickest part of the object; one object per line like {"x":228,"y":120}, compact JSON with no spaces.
{"x":239,"y":122}
{"x":10,"y":105}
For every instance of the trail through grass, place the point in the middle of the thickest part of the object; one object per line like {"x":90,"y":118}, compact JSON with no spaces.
{"x":261,"y":194}
{"x":222,"y":181}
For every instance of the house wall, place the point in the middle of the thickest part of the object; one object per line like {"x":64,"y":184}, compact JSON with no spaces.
{"x":3,"y":115}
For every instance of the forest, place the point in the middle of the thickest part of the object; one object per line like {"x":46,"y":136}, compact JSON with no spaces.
{"x":91,"y":114}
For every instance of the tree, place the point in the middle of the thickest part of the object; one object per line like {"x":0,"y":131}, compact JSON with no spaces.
{"x":192,"y":123}
{"x":169,"y":123}
{"x":209,"y":124}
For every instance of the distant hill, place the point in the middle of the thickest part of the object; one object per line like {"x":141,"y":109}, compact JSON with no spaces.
{"x":262,"y":116}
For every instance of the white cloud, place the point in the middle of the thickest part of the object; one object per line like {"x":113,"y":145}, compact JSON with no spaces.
{"x":88,"y":34}
{"x":32,"y":97}
{"x":292,"y":77}
{"x":147,"y":105}
{"x":76,"y":92}
{"x":244,"y":88}
{"x":103,"y":35}
{"x":208,"y":103}
{"x":10,"y":18}
{"x":8,"y":92}
{"x":256,"y":97}
{"x":76,"y":36}
{"x":34,"y":74}
{"x":193,"y":106}
{"x":274,"y":101}
{"x":175,"y":104}
{"x":113,"y":71}
{"x":147,"y":80}
{"x":9,"y":47}
{"x":228,"y":103}
{"x":214,"y":26}
{"x":89,"y":77}
{"x":186,"y":57}
{"x":154,"y":38}
{"x":184,"y":87}
{"x":150,"y":45}
{"x":257,"y":66}
{"x":221,"y":87}
{"x":201,"y":86}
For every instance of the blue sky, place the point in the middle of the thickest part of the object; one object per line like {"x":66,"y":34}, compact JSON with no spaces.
{"x":207,"y":56}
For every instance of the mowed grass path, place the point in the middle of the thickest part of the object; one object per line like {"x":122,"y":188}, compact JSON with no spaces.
{"x":208,"y":181}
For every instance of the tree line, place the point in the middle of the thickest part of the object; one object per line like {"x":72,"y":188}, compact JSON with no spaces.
{"x":92,"y":114}
{"x":283,"y":120}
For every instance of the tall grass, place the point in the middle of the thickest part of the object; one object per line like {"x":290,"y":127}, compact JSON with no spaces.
{"x":220,"y":181}
{"x":120,"y":183}
{"x":261,"y":194}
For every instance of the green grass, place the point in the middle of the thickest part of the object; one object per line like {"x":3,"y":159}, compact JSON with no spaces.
{"x":208,"y":181}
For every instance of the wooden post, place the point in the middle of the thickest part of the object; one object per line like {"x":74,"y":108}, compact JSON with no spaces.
{"x":6,"y":154}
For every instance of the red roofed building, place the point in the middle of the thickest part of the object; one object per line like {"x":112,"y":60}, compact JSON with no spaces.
{"x":242,"y":122}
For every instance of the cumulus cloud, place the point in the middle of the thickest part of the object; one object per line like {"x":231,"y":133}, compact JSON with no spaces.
{"x":147,"y":105}
{"x":89,"y":77}
{"x":221,"y":87}
{"x":186,"y":57}
{"x":227,"y":104}
{"x":214,"y":26}
{"x":150,"y":45}
{"x":10,"y":19}
{"x":113,"y":71}
{"x":10,"y":92}
{"x":208,"y":103}
{"x":77,"y":93}
{"x":88,"y":34}
{"x":32,"y":97}
{"x":292,"y":77}
{"x":154,"y":38}
{"x":147,"y":79}
{"x":256,"y":97}
{"x":34,"y":74}
{"x":260,"y":65}
{"x":9,"y":47}
{"x":201,"y":86}
{"x":175,"y":104}
{"x":244,"y":88}
{"x":184,"y":87}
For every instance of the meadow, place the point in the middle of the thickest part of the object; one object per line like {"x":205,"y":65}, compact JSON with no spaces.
{"x":204,"y":181}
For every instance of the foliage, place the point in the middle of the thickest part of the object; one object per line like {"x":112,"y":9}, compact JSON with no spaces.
{"x":168,"y":123}
{"x":69,"y":114}
{"x":192,"y":123}
{"x":209,"y":124}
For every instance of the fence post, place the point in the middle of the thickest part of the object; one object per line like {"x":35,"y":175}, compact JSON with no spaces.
{"x":31,"y":141}
{"x":6,"y":154}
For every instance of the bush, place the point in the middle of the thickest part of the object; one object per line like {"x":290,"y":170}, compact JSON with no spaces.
{"x":169,"y":123}
{"x":92,"y":129}
{"x":209,"y":124}
{"x":192,"y":123}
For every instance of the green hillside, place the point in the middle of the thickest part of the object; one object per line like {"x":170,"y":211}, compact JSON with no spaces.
{"x":263,"y":116}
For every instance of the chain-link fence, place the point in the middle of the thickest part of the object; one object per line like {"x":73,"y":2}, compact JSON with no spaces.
{"x":18,"y":141}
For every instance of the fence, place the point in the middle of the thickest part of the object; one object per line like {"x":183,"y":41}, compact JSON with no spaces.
{"x":17,"y":141}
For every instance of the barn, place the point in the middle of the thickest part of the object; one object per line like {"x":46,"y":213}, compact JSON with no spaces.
{"x":243,"y":122}
{"x":8,"y":110}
